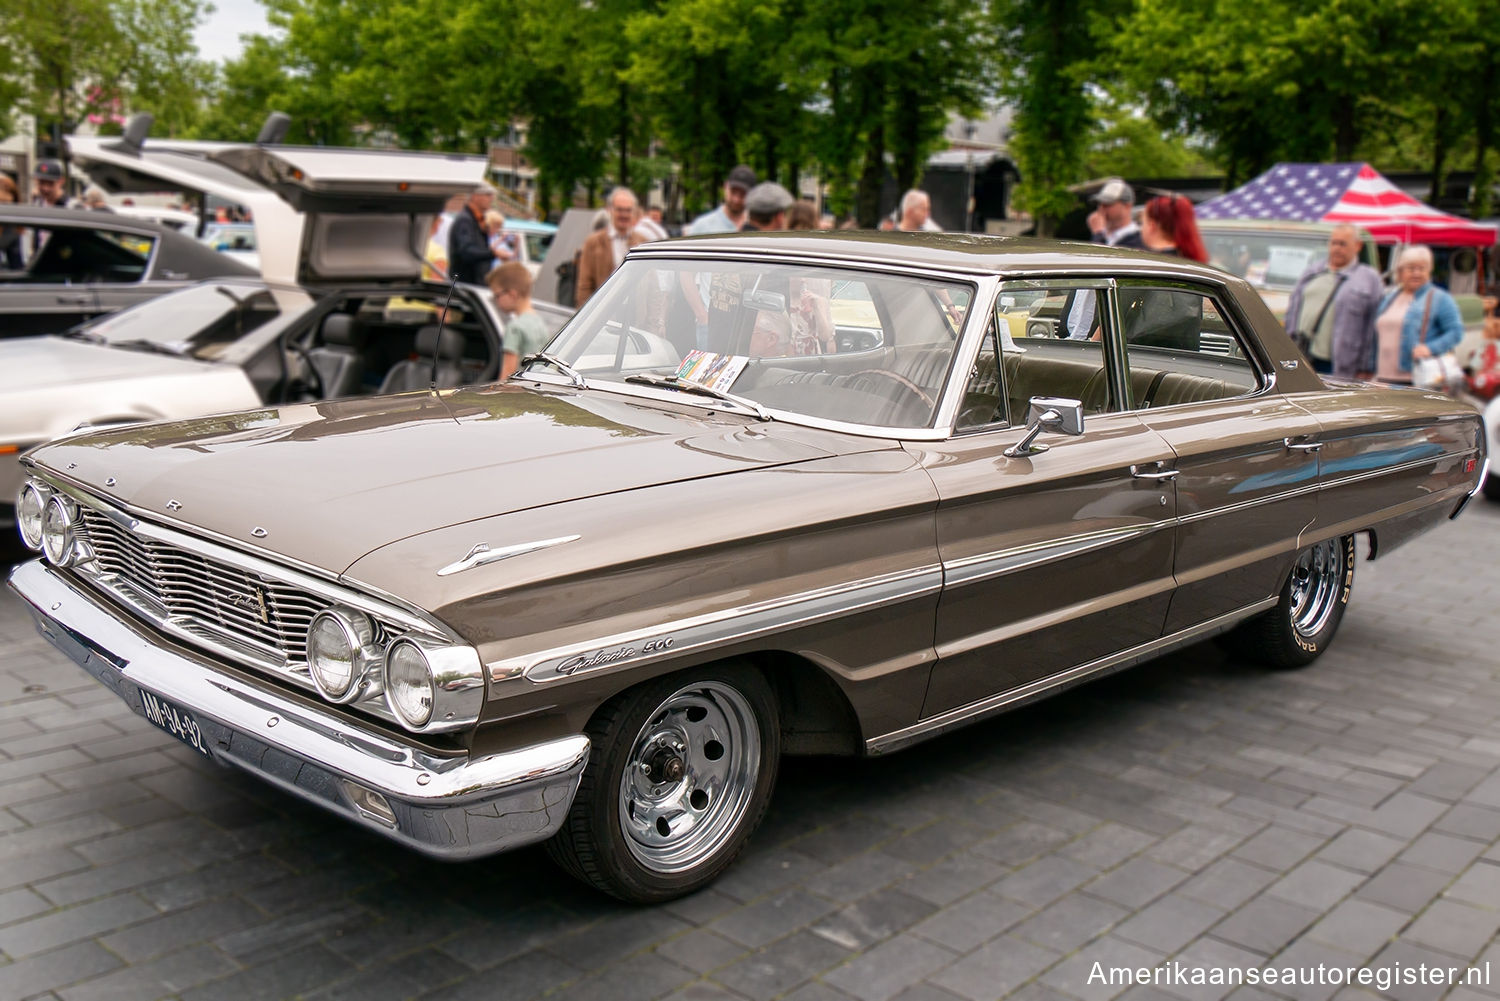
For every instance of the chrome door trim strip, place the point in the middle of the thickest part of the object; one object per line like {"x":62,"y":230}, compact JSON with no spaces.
{"x":985,"y":566}
{"x":1398,"y":468}
{"x":721,"y":628}
{"x":953,"y":718}
{"x":1315,"y":487}
{"x":1246,"y":505}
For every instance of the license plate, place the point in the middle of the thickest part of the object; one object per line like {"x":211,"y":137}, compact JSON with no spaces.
{"x":175,"y":720}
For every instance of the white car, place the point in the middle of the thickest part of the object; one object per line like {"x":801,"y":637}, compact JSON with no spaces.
{"x":342,"y":310}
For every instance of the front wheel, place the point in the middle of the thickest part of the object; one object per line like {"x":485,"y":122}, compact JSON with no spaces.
{"x":1304,"y":619}
{"x":680,"y":775}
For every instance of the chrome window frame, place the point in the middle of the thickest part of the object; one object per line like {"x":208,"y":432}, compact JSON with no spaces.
{"x":1255,"y":355}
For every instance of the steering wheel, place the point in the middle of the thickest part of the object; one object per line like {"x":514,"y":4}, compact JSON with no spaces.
{"x":315,"y":383}
{"x":901,"y":381}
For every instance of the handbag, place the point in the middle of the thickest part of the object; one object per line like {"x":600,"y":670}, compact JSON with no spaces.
{"x":1303,"y":338}
{"x":1441,"y":372}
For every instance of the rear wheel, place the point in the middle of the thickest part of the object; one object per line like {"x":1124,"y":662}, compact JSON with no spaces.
{"x":1308,"y":613}
{"x":1491,"y":487}
{"x":680,"y":775}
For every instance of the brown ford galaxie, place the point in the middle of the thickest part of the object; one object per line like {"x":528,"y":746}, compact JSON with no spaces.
{"x":763,"y":495}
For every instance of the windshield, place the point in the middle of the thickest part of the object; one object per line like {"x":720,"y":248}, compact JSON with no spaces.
{"x":201,"y":321}
{"x":831,"y":343}
{"x":1265,"y":260}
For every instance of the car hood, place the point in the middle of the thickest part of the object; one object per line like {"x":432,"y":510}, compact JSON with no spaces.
{"x":32,"y":363}
{"x":323,"y":484}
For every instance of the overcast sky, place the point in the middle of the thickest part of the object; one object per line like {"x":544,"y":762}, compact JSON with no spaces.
{"x":219,"y":36}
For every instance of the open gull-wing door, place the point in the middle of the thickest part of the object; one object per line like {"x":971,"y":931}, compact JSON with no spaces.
{"x":322,"y":216}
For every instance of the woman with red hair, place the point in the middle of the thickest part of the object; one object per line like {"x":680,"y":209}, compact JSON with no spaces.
{"x":1169,"y":226}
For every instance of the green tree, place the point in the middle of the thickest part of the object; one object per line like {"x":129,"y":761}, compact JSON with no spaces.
{"x":161,"y":68}
{"x":64,"y":57}
{"x":1048,"y":48}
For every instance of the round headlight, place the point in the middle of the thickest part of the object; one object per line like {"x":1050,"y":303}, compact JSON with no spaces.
{"x":29,"y":505}
{"x":408,"y":684}
{"x":340,"y":643}
{"x":57,"y":531}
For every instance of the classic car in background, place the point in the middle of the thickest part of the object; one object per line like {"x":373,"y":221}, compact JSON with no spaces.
{"x":1271,"y":255}
{"x":92,"y":263}
{"x":348,"y":315}
{"x":593,"y":606}
{"x":240,"y":343}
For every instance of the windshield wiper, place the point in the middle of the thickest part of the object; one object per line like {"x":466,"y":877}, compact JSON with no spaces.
{"x":80,"y":334}
{"x":675,"y":382}
{"x":568,"y":370}
{"x":141,"y":344}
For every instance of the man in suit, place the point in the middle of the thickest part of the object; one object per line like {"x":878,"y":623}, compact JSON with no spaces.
{"x":604,"y":250}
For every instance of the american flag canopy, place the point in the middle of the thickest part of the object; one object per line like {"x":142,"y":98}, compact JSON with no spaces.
{"x":1345,"y":192}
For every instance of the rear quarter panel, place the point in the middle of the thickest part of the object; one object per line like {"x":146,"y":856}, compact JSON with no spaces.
{"x":1394,"y":460}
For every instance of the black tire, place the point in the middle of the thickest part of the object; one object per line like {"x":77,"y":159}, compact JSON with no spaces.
{"x":647,"y":838}
{"x":1491,"y":487}
{"x":1302,"y":623}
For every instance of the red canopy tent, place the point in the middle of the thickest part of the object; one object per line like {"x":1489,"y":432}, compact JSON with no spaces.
{"x":1345,"y":192}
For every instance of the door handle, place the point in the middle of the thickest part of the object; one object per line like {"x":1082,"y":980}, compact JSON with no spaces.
{"x":74,"y":300}
{"x":1144,"y":473}
{"x":1310,"y":446}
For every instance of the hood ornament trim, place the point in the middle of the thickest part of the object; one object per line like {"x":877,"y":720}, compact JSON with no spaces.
{"x":482,"y":553}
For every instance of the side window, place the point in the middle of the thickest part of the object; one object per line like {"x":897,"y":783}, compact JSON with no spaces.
{"x":1181,"y":348}
{"x":1051,"y":345}
{"x":82,"y":255}
{"x":983,"y":405}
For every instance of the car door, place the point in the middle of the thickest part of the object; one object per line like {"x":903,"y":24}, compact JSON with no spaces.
{"x":1053,"y":563}
{"x":1245,"y":456}
{"x":78,"y":272}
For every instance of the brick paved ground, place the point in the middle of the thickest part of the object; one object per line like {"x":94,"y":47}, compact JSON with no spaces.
{"x":1193,"y":808}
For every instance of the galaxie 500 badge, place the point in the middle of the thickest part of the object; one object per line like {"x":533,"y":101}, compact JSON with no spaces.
{"x":593,"y":660}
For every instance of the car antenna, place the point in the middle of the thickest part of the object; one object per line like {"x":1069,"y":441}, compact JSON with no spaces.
{"x":437,"y":342}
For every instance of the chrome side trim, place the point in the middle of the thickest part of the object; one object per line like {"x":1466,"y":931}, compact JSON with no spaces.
{"x":482,"y":554}
{"x":721,"y":628}
{"x":972,"y":569}
{"x":962,"y":715}
{"x":1385,"y":470}
{"x":1246,"y":505}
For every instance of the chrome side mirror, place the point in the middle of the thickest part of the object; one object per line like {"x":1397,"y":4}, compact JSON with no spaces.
{"x":1049,"y":413}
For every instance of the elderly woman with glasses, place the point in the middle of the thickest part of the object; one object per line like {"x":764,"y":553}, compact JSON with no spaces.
{"x":1415,"y":320}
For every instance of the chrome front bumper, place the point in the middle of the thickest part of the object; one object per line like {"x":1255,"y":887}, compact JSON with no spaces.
{"x":449,"y":807}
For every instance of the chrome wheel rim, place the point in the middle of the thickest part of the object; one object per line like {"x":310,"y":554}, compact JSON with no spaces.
{"x":690,"y":777}
{"x":1316,"y":580}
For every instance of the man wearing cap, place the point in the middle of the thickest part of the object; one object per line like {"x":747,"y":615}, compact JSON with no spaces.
{"x":470,"y":256}
{"x":765,"y":207}
{"x":606,"y":248}
{"x":727,"y":218}
{"x":51,"y":192}
{"x":730,"y":215}
{"x":1111,"y":222}
{"x":51,"y":186}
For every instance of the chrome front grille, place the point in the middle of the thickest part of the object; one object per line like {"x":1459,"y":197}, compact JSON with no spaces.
{"x":256,"y":618}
